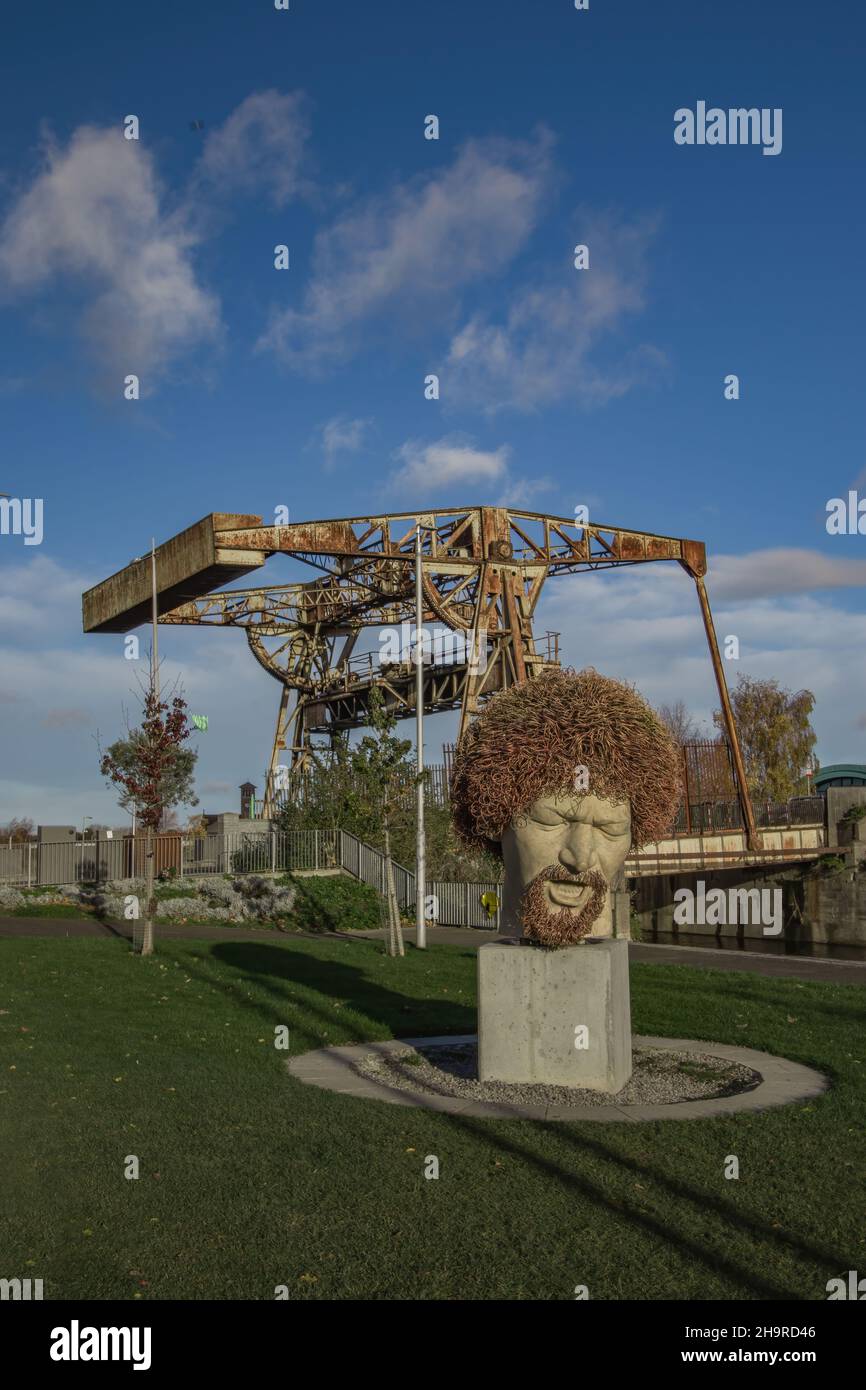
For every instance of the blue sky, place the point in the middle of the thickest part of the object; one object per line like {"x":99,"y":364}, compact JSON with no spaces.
{"x":409,"y":256}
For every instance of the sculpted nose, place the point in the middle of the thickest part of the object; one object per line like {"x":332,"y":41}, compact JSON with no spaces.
{"x":578,"y":851}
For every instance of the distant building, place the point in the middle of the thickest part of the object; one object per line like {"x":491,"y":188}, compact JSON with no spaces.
{"x":248,"y":800}
{"x":839,"y":775}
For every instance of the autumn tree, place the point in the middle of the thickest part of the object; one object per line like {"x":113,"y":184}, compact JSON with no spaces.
{"x":155,"y":773}
{"x":775,"y":733}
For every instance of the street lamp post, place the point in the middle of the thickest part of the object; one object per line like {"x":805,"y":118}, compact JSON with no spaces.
{"x":84,"y":820}
{"x":420,"y":844}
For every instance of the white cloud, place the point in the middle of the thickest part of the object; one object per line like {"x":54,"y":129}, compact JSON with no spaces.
{"x":453,"y":461}
{"x":50,"y":765}
{"x":642,"y":624}
{"x":783,"y":571}
{"x":66,"y":719}
{"x":410,"y":251}
{"x":521,"y":492}
{"x":341,"y":436}
{"x":24,"y":614}
{"x":261,"y":145}
{"x":445,"y":463}
{"x":543,"y":348}
{"x":94,"y":213}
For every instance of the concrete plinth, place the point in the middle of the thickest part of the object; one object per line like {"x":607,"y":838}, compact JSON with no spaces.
{"x":533,"y":1005}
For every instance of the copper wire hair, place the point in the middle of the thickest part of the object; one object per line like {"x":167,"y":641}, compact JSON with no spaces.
{"x":529,"y":740}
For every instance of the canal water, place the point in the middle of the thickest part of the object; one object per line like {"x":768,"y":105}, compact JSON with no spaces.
{"x":769,"y":946}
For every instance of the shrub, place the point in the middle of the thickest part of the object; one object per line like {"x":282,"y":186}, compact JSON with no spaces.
{"x":333,"y":903}
{"x":189,"y":909}
{"x":829,"y":864}
{"x":254,"y":887}
{"x":252,"y":858}
{"x":218,"y":891}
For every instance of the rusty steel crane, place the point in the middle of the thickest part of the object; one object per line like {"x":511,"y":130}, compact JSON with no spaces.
{"x":483,"y":570}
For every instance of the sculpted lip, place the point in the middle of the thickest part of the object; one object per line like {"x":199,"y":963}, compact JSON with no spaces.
{"x":552,"y":920}
{"x":569,"y":894}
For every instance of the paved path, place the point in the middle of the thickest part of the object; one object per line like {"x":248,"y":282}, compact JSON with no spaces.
{"x":208,"y":931}
{"x":831,"y":972}
{"x":842,"y":972}
{"x":91,"y":926}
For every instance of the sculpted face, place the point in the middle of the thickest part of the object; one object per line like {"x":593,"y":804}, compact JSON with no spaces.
{"x":560,"y":857}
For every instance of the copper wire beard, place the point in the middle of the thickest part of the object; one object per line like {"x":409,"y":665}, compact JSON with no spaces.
{"x":564,"y":927}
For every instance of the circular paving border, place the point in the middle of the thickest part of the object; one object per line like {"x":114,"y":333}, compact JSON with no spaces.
{"x":782,"y":1082}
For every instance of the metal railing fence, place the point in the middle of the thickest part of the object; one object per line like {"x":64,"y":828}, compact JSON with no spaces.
{"x":67,"y":863}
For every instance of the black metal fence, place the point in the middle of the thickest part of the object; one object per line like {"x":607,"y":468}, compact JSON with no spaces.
{"x":702,"y":817}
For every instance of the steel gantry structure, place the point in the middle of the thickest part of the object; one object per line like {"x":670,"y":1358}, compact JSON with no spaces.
{"x":483,"y":571}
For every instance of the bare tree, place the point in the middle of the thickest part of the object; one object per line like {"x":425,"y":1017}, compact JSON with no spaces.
{"x":680,"y":722}
{"x":19,"y":830}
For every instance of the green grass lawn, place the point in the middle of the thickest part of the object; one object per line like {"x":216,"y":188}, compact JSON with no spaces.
{"x":250,"y":1179}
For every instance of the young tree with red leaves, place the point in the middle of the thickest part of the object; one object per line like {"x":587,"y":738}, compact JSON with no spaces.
{"x":155,"y":773}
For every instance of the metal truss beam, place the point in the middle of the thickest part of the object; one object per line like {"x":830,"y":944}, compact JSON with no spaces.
{"x":483,"y":571}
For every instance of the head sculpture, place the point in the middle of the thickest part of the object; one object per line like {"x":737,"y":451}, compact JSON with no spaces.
{"x":560,"y":777}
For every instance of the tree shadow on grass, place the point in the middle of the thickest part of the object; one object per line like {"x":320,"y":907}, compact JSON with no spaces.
{"x":273,"y":968}
{"x":685,"y":1198}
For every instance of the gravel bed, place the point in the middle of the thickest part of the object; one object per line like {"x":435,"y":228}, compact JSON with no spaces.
{"x":658,"y":1078}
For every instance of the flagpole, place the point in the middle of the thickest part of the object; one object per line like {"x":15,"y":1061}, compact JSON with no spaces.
{"x":154,"y":651}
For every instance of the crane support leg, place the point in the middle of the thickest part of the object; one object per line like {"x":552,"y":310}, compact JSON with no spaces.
{"x":728,"y":717}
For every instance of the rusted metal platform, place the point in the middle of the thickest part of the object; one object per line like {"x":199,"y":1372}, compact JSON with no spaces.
{"x":483,"y":573}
